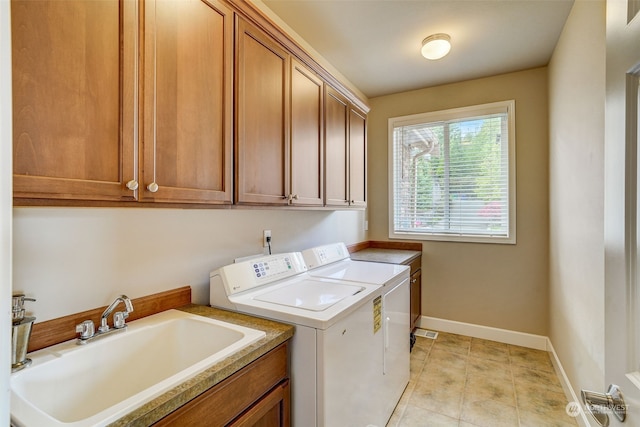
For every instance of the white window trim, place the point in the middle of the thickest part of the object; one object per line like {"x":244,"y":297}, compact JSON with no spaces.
{"x":451,"y":114}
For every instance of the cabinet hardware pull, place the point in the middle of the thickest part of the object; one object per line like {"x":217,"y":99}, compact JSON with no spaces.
{"x":295,"y":196}
{"x":132,"y":185}
{"x":153,"y":187}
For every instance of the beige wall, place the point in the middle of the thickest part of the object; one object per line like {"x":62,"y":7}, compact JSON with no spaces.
{"x":576,"y":103}
{"x":75,"y":259}
{"x":503,"y":286}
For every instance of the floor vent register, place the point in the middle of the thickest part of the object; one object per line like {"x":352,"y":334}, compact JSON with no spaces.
{"x":427,"y":334}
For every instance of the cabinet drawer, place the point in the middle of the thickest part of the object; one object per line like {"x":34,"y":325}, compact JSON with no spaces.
{"x":271,"y":411}
{"x":225,"y":401}
{"x":415,"y":265}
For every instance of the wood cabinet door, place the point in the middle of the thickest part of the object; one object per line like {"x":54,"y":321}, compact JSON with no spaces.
{"x":187,"y":105}
{"x":336,"y":113}
{"x":307,"y":166}
{"x":416,"y":298}
{"x":357,"y":158}
{"x":257,"y":395}
{"x":262,"y":117}
{"x":271,"y":411}
{"x":73,"y":104}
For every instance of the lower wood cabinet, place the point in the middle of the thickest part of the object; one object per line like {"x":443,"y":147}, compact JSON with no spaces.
{"x":415,"y":291}
{"x":272,"y":410}
{"x":416,"y":297}
{"x":257,"y":395}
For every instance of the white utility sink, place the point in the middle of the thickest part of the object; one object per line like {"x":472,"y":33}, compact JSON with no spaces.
{"x":97,"y":383}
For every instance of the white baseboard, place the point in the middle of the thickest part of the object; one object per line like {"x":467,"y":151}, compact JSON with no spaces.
{"x":523,"y":339}
{"x":506,"y":336}
{"x":566,"y":385}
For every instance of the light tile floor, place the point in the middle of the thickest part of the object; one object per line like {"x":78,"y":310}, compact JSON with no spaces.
{"x":459,"y":381}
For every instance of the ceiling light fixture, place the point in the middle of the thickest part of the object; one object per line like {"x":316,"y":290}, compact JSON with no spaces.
{"x":436,"y":46}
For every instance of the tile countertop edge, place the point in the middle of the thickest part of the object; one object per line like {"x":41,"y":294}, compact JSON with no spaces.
{"x":163,"y":405}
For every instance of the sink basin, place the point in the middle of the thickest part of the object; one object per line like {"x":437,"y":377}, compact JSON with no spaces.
{"x":97,"y":383}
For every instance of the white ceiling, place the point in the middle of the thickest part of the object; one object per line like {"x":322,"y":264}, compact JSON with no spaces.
{"x":376,"y":43}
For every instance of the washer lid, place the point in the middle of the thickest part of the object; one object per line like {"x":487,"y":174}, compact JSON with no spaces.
{"x":310,"y":294}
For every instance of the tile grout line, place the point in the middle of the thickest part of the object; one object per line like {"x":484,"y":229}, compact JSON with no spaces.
{"x":418,"y":373}
{"x":513,"y":382}
{"x":464,"y":387}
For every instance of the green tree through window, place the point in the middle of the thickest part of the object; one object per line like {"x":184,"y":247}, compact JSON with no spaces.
{"x":452,"y":176}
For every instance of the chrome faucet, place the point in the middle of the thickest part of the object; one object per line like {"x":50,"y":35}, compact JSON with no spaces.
{"x":118,"y":317}
{"x":87,"y":328}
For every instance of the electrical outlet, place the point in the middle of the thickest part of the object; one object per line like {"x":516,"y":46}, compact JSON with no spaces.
{"x":265,"y":234}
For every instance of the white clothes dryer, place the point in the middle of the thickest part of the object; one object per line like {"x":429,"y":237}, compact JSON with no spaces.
{"x":333,"y":262}
{"x":336,"y":358}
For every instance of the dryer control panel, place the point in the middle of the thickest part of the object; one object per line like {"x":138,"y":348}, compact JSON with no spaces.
{"x":259,"y":271}
{"x":323,"y":255}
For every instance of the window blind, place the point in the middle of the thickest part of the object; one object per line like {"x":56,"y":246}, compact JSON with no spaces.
{"x":451,"y":173}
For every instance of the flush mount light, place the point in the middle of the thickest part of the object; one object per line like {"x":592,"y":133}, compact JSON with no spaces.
{"x":436,"y":46}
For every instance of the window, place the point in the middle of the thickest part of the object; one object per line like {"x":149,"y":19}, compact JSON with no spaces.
{"x":453,"y":175}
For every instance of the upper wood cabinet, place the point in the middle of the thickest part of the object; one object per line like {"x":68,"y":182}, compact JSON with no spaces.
{"x":176,"y":101}
{"x":346,"y":152}
{"x":73,"y":104}
{"x":336,"y":119}
{"x":84,"y":128}
{"x":357,"y":157}
{"x":262,"y":117}
{"x":279,"y":138}
{"x":307,"y":157}
{"x":187,"y":105}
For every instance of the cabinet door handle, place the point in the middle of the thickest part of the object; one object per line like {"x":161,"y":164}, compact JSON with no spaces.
{"x":132,"y":185}
{"x":153,"y":187}
{"x":353,"y":202}
{"x":414,"y":280}
{"x":295,"y":196}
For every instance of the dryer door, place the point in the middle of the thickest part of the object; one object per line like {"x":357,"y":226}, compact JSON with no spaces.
{"x":396,"y":319}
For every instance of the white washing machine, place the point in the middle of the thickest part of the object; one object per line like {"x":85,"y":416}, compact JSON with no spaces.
{"x":333,"y":262}
{"x":336,"y":361}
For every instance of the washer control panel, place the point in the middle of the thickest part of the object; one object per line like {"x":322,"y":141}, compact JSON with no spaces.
{"x":259,"y":271}
{"x":264,"y":269}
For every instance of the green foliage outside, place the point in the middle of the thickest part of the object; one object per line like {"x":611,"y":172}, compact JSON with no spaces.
{"x":475,"y":168}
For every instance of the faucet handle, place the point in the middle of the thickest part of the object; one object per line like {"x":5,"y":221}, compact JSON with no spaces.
{"x":119,"y":319}
{"x":86,"y":329}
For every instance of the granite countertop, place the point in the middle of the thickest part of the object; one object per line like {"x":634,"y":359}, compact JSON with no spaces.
{"x":153,"y":411}
{"x":388,"y":256}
